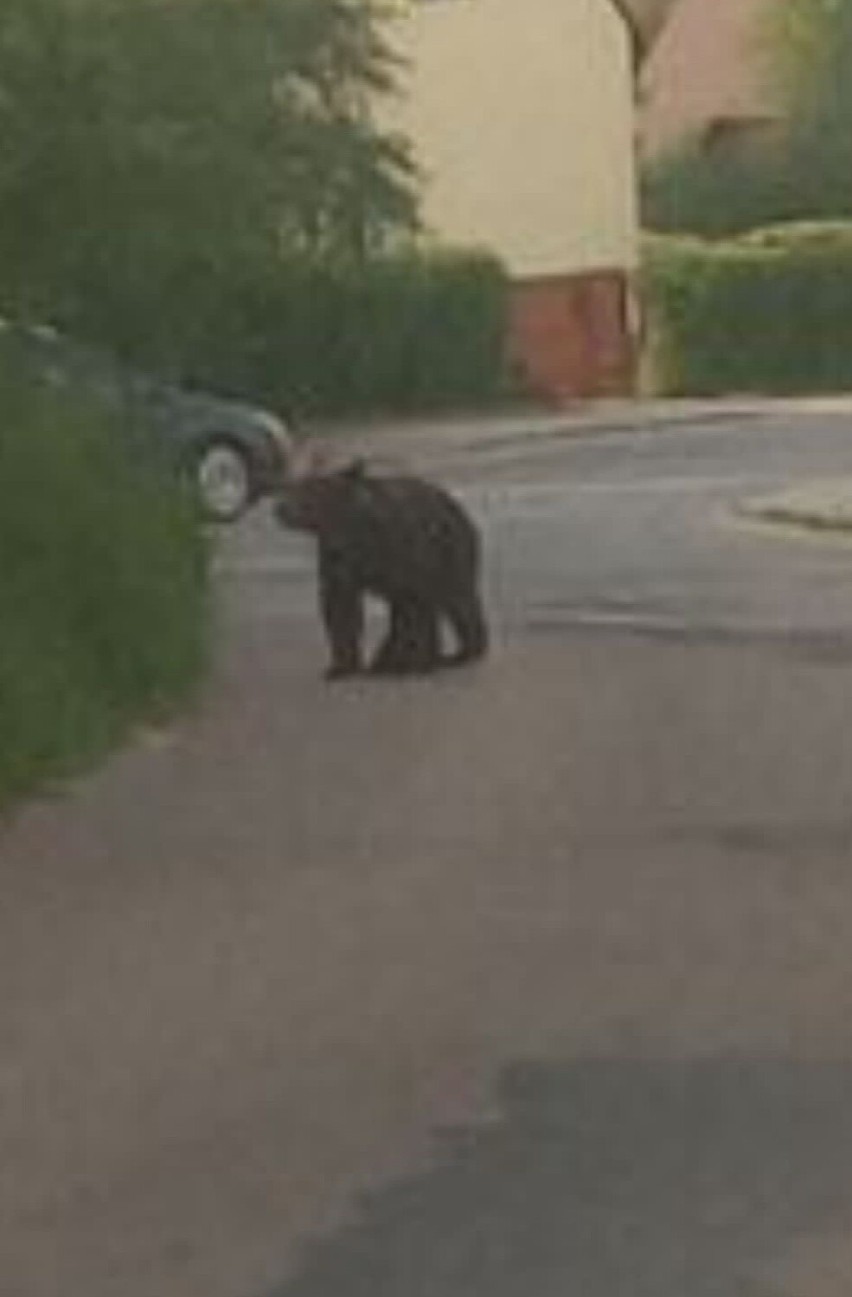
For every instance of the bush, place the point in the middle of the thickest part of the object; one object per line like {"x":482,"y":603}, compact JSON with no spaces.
{"x":767,"y":312}
{"x":718,"y":193}
{"x":102,"y":585}
{"x":798,"y":175}
{"x":398,"y":334}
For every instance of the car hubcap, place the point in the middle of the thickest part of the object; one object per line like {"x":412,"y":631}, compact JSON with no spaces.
{"x":223,"y":481}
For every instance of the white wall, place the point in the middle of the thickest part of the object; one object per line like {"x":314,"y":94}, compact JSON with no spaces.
{"x":522,"y":116}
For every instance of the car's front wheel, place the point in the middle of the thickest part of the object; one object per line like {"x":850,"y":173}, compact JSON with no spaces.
{"x":223,"y":480}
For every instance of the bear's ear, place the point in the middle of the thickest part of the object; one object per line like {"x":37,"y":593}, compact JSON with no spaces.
{"x":312,"y":461}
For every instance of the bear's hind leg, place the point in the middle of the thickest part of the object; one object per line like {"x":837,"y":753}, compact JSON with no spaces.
{"x":466,"y":615}
{"x":412,"y":642}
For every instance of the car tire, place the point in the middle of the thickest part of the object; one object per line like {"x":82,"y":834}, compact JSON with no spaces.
{"x":223,"y":480}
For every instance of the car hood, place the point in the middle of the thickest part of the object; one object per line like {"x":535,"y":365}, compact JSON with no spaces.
{"x":196,"y":410}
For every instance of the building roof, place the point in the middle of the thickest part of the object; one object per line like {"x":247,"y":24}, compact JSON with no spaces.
{"x":707,"y":65}
{"x":646,"y":20}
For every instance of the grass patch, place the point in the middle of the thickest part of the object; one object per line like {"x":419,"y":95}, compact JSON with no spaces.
{"x":103,"y":583}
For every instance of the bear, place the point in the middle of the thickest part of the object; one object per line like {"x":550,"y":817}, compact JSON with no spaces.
{"x":399,"y":537}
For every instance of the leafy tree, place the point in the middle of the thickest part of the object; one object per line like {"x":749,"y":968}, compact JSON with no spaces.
{"x":814,"y":55}
{"x":799,"y":34}
{"x":151,"y":150}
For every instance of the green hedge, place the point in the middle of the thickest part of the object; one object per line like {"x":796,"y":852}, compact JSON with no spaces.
{"x":718,"y":193}
{"x":103,"y":601}
{"x":411,"y":332}
{"x":770,"y":311}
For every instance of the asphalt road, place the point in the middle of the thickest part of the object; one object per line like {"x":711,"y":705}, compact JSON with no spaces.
{"x":533,"y":979}
{"x":642,"y":530}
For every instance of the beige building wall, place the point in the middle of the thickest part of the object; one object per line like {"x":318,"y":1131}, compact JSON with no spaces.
{"x":522,"y":118}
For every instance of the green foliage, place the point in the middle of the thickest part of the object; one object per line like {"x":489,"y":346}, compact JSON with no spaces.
{"x":405,"y":332}
{"x":769,"y":312}
{"x":719,"y":193}
{"x":801,"y":39}
{"x":102,"y":586}
{"x":200,"y":186}
{"x":149,"y":148}
{"x":802,"y":176}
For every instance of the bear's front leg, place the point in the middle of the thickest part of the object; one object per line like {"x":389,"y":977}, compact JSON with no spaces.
{"x":342,"y":608}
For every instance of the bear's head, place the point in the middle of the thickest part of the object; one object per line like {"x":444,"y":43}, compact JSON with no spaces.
{"x":316,"y":501}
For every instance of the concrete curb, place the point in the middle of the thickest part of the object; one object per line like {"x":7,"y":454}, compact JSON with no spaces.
{"x":816,"y":507}
{"x":469,"y":434}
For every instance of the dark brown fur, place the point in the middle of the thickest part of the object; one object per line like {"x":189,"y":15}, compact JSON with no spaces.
{"x":405,"y":540}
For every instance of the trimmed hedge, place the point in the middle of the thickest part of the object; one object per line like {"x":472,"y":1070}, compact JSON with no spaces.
{"x":770,"y":311}
{"x":716,"y":194}
{"x":411,"y":332}
{"x":103,"y":585}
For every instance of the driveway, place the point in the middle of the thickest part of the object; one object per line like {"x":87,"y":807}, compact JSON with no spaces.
{"x":530,"y":979}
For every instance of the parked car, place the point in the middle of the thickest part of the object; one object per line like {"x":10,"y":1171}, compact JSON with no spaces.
{"x":236,"y":452}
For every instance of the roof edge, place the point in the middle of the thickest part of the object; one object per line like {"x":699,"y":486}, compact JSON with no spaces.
{"x":645,"y":20}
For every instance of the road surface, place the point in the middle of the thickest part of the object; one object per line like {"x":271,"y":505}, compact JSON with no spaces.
{"x":532,"y":979}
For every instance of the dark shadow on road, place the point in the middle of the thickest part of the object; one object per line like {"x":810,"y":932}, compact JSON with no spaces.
{"x":610,"y":1178}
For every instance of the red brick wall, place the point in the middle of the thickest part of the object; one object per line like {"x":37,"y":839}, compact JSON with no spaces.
{"x":569,"y":336}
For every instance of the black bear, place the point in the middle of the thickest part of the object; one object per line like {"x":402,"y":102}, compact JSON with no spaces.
{"x":401,"y":538}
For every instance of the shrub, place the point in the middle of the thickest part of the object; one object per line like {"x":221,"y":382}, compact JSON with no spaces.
{"x":413,"y":331}
{"x":717,"y":193}
{"x":102,"y":584}
{"x":767,"y":312}
{"x":797,"y":173}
